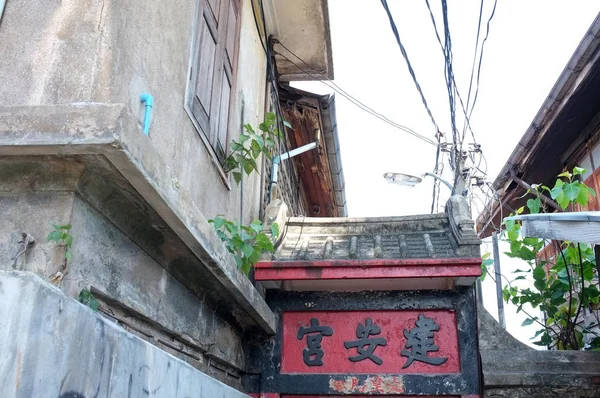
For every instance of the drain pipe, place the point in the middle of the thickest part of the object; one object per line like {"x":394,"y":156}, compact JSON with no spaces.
{"x":148,"y":100}
{"x":284,"y":156}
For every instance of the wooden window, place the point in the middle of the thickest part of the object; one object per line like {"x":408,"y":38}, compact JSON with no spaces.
{"x":213,"y":69}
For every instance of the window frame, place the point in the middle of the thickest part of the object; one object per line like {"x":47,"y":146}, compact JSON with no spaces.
{"x":209,"y":138}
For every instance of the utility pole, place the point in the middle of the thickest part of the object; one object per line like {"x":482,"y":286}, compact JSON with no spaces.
{"x":460,"y":172}
{"x":498,"y":277}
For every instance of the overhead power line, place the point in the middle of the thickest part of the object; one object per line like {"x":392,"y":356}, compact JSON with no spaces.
{"x":462,"y":104}
{"x":473,"y":67}
{"x":323,"y":79}
{"x":481,"y":56}
{"x":408,"y":64}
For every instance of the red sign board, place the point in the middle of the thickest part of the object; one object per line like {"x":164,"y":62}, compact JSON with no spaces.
{"x":370,"y":342}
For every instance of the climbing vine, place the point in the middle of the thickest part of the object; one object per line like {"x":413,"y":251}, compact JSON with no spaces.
{"x":61,"y":236}
{"x":248,"y":243}
{"x":562,"y":279}
{"x":250,"y":146}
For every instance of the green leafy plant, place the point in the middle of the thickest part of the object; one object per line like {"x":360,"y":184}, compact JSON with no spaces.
{"x":562,"y":285}
{"x":486,"y":263}
{"x":251,"y":145}
{"x":86,"y":297}
{"x":61,"y":236}
{"x":246,"y":243}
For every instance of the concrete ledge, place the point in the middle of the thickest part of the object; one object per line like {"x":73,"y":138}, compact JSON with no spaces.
{"x":109,"y":131}
{"x":531,"y":368}
{"x":512,"y":369}
{"x":53,"y":346}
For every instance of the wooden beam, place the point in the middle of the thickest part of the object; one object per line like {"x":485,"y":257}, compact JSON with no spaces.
{"x":543,"y":197}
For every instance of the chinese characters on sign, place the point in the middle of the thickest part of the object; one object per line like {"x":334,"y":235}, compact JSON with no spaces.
{"x":419,"y":342}
{"x":365,"y":345}
{"x":313,"y":355}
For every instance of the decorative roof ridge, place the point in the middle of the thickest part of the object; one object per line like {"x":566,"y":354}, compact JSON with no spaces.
{"x":365,"y":220}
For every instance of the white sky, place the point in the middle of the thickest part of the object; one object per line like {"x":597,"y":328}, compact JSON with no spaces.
{"x":529,"y":44}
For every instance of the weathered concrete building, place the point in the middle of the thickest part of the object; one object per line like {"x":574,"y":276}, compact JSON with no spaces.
{"x":115,"y":118}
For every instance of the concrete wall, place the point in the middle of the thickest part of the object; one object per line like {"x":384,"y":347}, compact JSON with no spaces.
{"x":68,"y":351}
{"x":513,"y":370}
{"x":69,"y":51}
{"x":136,"y":271}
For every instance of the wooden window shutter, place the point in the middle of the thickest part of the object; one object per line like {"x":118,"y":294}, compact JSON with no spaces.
{"x":205,"y":53}
{"x":214,"y":68}
{"x":229,"y":40}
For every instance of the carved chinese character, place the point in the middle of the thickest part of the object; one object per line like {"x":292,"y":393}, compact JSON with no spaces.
{"x":365,"y":346}
{"x":420,"y":342}
{"x":313,"y":355}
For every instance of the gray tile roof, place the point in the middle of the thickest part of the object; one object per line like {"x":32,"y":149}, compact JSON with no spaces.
{"x":409,"y":237}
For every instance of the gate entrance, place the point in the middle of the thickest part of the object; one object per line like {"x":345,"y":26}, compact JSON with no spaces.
{"x":371,"y":307}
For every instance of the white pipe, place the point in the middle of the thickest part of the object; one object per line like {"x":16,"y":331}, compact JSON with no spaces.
{"x":284,"y":156}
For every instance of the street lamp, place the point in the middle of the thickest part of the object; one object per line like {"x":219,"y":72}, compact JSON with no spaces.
{"x":411,"y":180}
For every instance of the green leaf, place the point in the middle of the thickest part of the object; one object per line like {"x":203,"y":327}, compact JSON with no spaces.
{"x":84,"y":295}
{"x":275,"y":229}
{"x":520,"y":209}
{"x":67,"y":227}
{"x":539,"y":274}
{"x":218,"y":222}
{"x":527,"y":322}
{"x":54,"y":235}
{"x":68,"y":255}
{"x":554,"y":192}
{"x":93,"y":304}
{"x":526,"y":254}
{"x":565,"y":174}
{"x":244,"y":138}
{"x":245,"y":267}
{"x":270,"y":117}
{"x":571,"y":190}
{"x":68,"y":240}
{"x":562,"y":200}
{"x":249,"y":166}
{"x":287,"y":124}
{"x":578,"y":171}
{"x":537,"y":334}
{"x":247,"y":250}
{"x":588,"y":273}
{"x":591,"y":191}
{"x":256,"y":149}
{"x":259,"y":140}
{"x":236,"y":146}
{"x":488,"y":262}
{"x":583,"y":196}
{"x":534,"y":205}
{"x":256,"y":225}
{"x":237,"y":176}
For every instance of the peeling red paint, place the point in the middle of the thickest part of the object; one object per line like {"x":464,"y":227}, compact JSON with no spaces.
{"x":372,"y":384}
{"x":368,"y":269}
